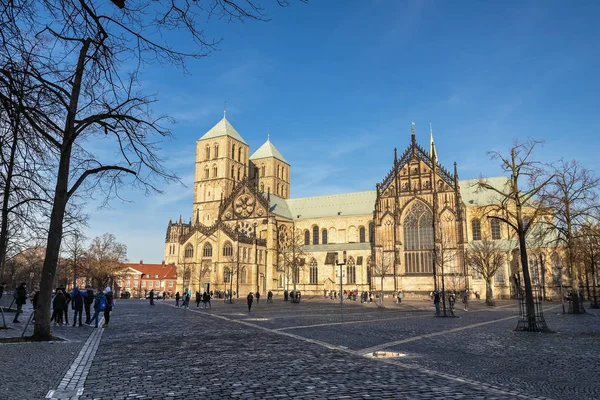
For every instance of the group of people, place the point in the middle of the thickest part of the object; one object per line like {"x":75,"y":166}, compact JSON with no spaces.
{"x":438,"y":296}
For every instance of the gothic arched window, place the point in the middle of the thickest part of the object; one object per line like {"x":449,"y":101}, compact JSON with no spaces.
{"x":226,"y":275}
{"x":227,"y":250}
{"x":207,"y":152}
{"x":306,"y":237}
{"x":361,"y":234}
{"x":495,"y":228}
{"x":207,"y":252}
{"x":371,"y":232}
{"x":189,"y":251}
{"x":315,"y":234}
{"x":324,"y":236}
{"x":214,"y":171}
{"x":418,"y":240}
{"x":476,"y":228}
{"x":350,"y":271}
{"x":216,"y":152}
{"x":314,"y":272}
{"x":233,"y":152}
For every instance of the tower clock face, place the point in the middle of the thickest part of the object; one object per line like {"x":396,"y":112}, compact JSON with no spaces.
{"x":244,"y":205}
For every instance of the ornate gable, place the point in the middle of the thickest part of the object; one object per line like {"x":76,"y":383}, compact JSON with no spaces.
{"x":244,"y":202}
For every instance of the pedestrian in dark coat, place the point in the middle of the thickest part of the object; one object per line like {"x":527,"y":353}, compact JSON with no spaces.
{"x":87,"y":302}
{"x":59,"y":304}
{"x":20,"y":299}
{"x":257,"y":297}
{"x":249,"y":300}
{"x":436,"y":302}
{"x":206,"y":299}
{"x":77,"y":306}
{"x":198,"y":299}
{"x":270,"y":297}
{"x":151,"y":297}
{"x":177,"y":297}
{"x":110,"y":303}
{"x":67,"y":302}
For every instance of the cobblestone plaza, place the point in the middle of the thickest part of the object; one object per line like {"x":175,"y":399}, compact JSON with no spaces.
{"x":306,"y":350}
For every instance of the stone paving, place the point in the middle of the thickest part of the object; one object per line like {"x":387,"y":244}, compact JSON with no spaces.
{"x":306,"y":350}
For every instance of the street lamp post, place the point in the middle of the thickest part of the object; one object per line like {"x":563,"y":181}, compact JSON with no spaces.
{"x":340,"y":264}
{"x":256,"y":257}
{"x":140,"y":291}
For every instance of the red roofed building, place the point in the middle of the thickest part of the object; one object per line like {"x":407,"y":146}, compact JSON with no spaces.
{"x":139,"y":279}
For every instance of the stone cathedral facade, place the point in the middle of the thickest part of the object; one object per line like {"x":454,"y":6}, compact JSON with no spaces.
{"x":246,"y":234}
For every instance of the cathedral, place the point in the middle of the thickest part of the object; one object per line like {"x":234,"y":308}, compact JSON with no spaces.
{"x":410,"y":234}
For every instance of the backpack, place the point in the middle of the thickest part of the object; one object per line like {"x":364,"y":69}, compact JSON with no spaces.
{"x":102,"y":305}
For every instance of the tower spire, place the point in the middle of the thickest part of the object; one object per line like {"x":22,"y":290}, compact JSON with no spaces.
{"x":432,"y":151}
{"x":413,"y":139}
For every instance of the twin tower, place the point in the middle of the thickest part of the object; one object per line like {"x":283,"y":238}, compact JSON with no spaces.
{"x":223,"y":159}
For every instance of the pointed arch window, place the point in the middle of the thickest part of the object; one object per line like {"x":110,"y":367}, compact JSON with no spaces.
{"x":232,"y":172}
{"x":262,"y":171}
{"x":239,"y":173}
{"x":351,"y":271}
{"x":495,"y":228}
{"x":207,"y":252}
{"x":315,"y":234}
{"x":314,"y":272}
{"x":361,"y":234}
{"x":324,"y":236}
{"x":206,"y":173}
{"x":189,"y":251}
{"x":240,"y":154}
{"x":216,"y":152}
{"x":306,"y":237}
{"x":226,"y":275}
{"x":476,"y":228}
{"x":207,"y":151}
{"x":214,"y":171}
{"x":418,"y":240}
{"x":227,"y":250}
{"x":233,"y":152}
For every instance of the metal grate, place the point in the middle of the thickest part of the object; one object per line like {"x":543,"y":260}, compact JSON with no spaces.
{"x":536,"y":322}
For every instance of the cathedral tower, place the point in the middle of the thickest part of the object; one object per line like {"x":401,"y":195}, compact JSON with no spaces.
{"x":270,"y":171}
{"x":221,"y":162}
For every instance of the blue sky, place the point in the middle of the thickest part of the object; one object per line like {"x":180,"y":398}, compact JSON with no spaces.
{"x":339,"y":83}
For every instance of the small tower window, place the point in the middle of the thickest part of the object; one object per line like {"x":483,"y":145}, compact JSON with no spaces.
{"x":208,"y":152}
{"x":233,"y":152}
{"x":216,"y":155}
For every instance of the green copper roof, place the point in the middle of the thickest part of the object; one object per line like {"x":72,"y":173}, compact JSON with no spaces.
{"x":474,"y":196}
{"x":280,"y":207}
{"x":222,"y":128}
{"x":357,"y":203}
{"x":267,"y":150}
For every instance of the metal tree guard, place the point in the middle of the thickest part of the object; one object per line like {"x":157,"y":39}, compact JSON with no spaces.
{"x":539,"y":323}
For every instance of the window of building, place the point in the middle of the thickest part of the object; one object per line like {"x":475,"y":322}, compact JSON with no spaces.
{"x":296,"y":275}
{"x":534,"y":270}
{"x":240,"y":154}
{"x":214,"y":171}
{"x":256,"y":172}
{"x":495,"y":228}
{"x":227,"y":250}
{"x":232,"y":172}
{"x":280,"y":281}
{"x":499,"y":278}
{"x":314,"y":272}
{"x":156,"y":276}
{"x":418,"y":239}
{"x":283,"y":173}
{"x":306,"y":237}
{"x":556,"y":269}
{"x":239,"y":173}
{"x":170,"y":284}
{"x":262,"y":171}
{"x":189,"y":251}
{"x":315,"y":235}
{"x":207,"y":252}
{"x":216,"y":155}
{"x":150,"y":283}
{"x":476,"y":228}
{"x":207,"y":152}
{"x":371,"y":233}
{"x":206,"y":173}
{"x":233,"y":152}
{"x":361,"y":234}
{"x":135,"y":283}
{"x":324,"y":236}
{"x":243,"y":275}
{"x":226,"y":275}
{"x":350,"y":271}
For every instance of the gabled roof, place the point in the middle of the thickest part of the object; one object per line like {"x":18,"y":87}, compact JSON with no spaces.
{"x":473,"y":196}
{"x":268,"y":150}
{"x":356,"y":203}
{"x":222,"y":128}
{"x":164,"y":271}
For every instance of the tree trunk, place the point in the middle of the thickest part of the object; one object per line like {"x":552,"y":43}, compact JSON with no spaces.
{"x":489,"y":292}
{"x":6,"y":198}
{"x":41,"y":330}
{"x":529,"y":304}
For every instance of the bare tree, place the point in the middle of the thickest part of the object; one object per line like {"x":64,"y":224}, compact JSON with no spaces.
{"x":445,"y":258}
{"x":485,"y":257}
{"x":291,"y":245}
{"x":527,"y":180}
{"x":88,"y":57}
{"x":105,"y":258}
{"x":587,"y":250}
{"x":76,"y":253}
{"x":572,"y":196}
{"x":381,"y":267}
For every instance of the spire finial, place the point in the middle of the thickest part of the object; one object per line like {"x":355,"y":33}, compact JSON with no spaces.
{"x":269,"y":134}
{"x":225,"y":110}
{"x":412,"y":127}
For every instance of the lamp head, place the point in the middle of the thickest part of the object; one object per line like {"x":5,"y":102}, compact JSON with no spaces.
{"x":344,"y":256}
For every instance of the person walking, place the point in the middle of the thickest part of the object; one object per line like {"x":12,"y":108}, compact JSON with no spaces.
{"x":99,"y":305}
{"x":249,"y":300}
{"x":110,"y":302}
{"x":270,"y":297}
{"x":199,"y":299}
{"x":67,"y":302}
{"x":88,"y":299}
{"x":151,"y":297}
{"x":164,"y":295}
{"x":77,"y":306}
{"x":177,"y":296}
{"x":436,"y":302}
{"x":59,"y":304}
{"x":20,"y":299}
{"x":400,"y":295}
{"x":34,"y":300}
{"x":466,"y":300}
{"x":257,"y":297}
